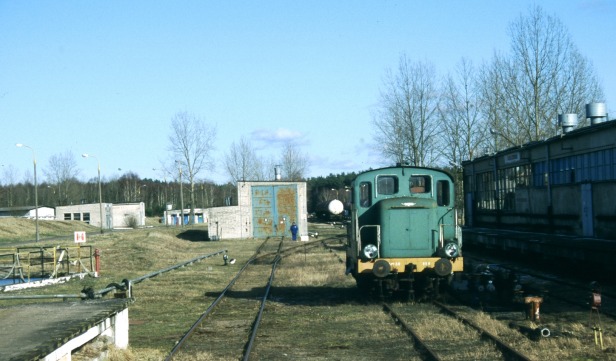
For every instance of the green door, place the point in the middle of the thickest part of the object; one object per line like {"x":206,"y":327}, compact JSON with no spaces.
{"x":406,"y":233}
{"x":274,"y":208}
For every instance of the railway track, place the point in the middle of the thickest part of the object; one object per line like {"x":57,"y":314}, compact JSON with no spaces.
{"x":239,"y":306}
{"x":470,"y":338}
{"x":268,"y":313}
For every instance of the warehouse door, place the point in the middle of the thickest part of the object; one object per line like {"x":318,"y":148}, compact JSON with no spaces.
{"x":274,"y":208}
{"x":587,"y":211}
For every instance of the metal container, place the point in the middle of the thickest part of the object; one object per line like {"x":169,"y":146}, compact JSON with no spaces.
{"x":568,"y":122}
{"x":596,"y":112}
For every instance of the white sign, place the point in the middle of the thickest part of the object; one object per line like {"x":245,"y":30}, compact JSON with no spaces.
{"x":512,"y":158}
{"x":80,"y":237}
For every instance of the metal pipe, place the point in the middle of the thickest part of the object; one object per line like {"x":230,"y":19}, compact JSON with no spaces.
{"x":26,"y":297}
{"x":535,"y":333}
{"x":36,"y":217}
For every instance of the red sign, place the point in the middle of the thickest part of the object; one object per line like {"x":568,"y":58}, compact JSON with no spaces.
{"x":80,"y":237}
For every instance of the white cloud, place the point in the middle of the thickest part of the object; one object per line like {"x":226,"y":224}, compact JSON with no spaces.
{"x":280,"y":135}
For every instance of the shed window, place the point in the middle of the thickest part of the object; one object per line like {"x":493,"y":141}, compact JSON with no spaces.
{"x":67,"y":216}
{"x":387,"y":184}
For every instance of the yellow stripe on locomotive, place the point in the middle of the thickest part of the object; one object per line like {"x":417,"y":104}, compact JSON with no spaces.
{"x":399,"y":265}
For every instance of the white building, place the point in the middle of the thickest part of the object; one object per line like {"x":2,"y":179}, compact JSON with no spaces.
{"x":172,"y":217}
{"x":113,"y":215}
{"x":265,"y":209}
{"x":45,"y":213}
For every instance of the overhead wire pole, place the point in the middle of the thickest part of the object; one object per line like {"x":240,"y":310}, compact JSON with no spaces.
{"x":100,"y":193}
{"x":36,"y":218}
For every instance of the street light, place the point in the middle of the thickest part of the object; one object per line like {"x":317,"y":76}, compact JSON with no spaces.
{"x":19,"y":145}
{"x":100,"y":193}
{"x":181,"y":193}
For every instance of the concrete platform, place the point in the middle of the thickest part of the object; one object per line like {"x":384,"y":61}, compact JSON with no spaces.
{"x":51,"y":331}
{"x":579,"y":252}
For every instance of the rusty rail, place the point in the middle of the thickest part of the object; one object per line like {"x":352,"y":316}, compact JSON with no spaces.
{"x":419,"y":343}
{"x":504,"y":347}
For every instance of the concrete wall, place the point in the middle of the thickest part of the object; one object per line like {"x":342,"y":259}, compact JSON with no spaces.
{"x":114,"y":215}
{"x":123,"y":212}
{"x":91,"y":210}
{"x":226,"y":223}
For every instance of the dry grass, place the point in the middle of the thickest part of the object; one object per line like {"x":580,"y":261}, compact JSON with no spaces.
{"x":316,"y":312}
{"x":21,"y":229}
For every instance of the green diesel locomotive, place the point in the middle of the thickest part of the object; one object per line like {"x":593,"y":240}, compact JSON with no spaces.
{"x":404,"y":236}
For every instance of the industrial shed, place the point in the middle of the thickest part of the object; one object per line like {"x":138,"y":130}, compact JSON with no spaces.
{"x":264,"y":209}
{"x":113,"y":215}
{"x":27,"y":212}
{"x":172,"y":217}
{"x":560,"y":185}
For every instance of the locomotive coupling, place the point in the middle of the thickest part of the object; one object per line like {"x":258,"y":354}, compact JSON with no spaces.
{"x":381,"y":268}
{"x":443,"y":267}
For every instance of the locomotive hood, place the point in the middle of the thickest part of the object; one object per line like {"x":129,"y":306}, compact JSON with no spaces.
{"x":407,"y":202}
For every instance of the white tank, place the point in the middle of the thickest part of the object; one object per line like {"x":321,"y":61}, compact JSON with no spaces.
{"x":335,"y":207}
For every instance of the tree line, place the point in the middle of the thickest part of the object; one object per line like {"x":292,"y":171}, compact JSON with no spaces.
{"x":154,"y":193}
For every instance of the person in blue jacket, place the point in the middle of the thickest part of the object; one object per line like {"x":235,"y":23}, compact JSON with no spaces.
{"x":294,"y":229}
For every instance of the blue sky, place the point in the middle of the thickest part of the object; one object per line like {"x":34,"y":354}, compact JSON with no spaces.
{"x":106,"y":77}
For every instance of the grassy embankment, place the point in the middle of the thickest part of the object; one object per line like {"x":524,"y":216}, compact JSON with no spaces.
{"x":165,"y":306}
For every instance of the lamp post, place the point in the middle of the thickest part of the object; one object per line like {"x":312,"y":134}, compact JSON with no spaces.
{"x":181,"y":194}
{"x":19,"y":145}
{"x":100,"y":193}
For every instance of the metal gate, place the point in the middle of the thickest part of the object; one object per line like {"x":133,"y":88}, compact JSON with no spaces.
{"x":274,"y":209}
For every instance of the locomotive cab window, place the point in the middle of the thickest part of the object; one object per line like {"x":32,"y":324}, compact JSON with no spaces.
{"x":365,"y":194}
{"x":420,"y":184}
{"x":387,"y":184}
{"x":443,"y":197}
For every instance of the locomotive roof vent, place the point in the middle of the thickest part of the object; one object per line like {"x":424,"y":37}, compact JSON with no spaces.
{"x":596,"y":112}
{"x":568,"y":122}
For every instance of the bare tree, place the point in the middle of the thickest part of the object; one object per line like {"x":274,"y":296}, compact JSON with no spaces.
{"x":63,"y":172}
{"x":294,"y":164}
{"x":462,"y":124}
{"x":545,"y":75}
{"x":406,"y":120}
{"x":191,"y":142}
{"x":9,"y":177}
{"x":266,"y":170}
{"x":242,"y":162}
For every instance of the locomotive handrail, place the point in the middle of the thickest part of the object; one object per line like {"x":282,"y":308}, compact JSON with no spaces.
{"x":378,"y":238}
